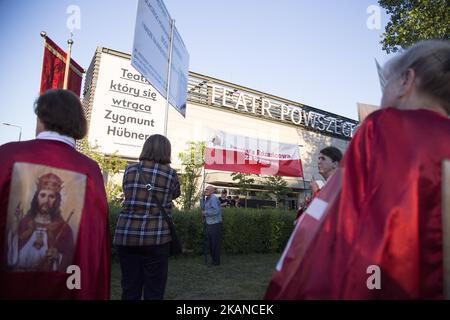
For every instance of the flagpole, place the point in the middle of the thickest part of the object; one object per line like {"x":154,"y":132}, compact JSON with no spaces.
{"x":44,"y":37}
{"x":303,"y":173}
{"x":445,"y":200}
{"x":166,"y":112}
{"x":205,"y":237}
{"x":67,"y":70}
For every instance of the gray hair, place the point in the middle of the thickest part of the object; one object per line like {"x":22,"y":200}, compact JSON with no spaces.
{"x":430,"y":60}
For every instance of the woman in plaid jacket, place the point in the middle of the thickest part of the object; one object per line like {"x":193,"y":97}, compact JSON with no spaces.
{"x":142,"y":235}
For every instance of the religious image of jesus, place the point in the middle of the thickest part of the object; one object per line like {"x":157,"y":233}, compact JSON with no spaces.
{"x":43,"y":241}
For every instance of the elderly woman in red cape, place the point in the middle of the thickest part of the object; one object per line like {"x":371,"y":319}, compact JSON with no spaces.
{"x":39,"y":257}
{"x":380,"y":235}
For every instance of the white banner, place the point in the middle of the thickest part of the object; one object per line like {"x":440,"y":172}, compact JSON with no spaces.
{"x":229,"y":152}
{"x":126,"y":108}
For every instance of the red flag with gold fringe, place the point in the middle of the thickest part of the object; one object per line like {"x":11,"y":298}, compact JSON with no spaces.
{"x":53,"y":67}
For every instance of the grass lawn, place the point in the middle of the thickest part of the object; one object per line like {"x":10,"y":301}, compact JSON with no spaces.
{"x":238,"y":277}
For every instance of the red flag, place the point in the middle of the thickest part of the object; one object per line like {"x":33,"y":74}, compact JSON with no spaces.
{"x":53,"y":67}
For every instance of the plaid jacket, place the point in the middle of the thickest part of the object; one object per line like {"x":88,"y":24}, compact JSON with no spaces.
{"x":140,"y":223}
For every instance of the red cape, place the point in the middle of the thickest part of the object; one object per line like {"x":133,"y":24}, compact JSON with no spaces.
{"x":384,"y":209}
{"x":92,"y":250}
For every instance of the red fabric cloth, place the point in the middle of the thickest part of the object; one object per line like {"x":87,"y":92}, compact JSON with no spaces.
{"x":53,"y":68}
{"x":92,"y":244}
{"x":384,"y":209}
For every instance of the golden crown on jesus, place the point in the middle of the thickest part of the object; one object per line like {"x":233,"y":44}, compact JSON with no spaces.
{"x":49,"y":181}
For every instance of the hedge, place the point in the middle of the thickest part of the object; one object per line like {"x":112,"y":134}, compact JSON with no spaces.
{"x":244,"y":230}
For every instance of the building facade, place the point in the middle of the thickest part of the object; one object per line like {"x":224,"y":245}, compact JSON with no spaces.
{"x":123,"y":109}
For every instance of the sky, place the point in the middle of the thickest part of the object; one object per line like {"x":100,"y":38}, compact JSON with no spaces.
{"x":316,"y":52}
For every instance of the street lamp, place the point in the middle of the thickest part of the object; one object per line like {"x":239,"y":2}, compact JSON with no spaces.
{"x":13,"y":125}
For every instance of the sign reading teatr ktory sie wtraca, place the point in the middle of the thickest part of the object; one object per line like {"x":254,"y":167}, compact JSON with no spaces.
{"x":126,"y":108}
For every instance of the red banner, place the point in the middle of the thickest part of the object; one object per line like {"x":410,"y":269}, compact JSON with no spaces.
{"x":286,"y":282}
{"x":53,"y":67}
{"x":234,"y":153}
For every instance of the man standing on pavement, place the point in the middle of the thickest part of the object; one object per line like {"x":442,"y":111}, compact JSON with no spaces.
{"x":212,"y":217}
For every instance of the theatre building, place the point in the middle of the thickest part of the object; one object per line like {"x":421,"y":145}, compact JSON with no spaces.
{"x":123,"y":109}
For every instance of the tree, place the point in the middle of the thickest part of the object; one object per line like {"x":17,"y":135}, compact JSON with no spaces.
{"x":192,"y":161}
{"x":414,"y":20}
{"x":276,"y":186}
{"x":109,"y":165}
{"x":244,"y":181}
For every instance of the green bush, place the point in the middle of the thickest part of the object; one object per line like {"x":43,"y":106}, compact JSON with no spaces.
{"x":256,"y":230}
{"x":244,"y":230}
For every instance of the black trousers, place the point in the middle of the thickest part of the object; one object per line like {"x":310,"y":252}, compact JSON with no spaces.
{"x":214,"y":235}
{"x":143,"y":268}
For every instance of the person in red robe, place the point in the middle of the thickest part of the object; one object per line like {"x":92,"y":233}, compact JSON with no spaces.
{"x":375,"y":231}
{"x":60,"y":249}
